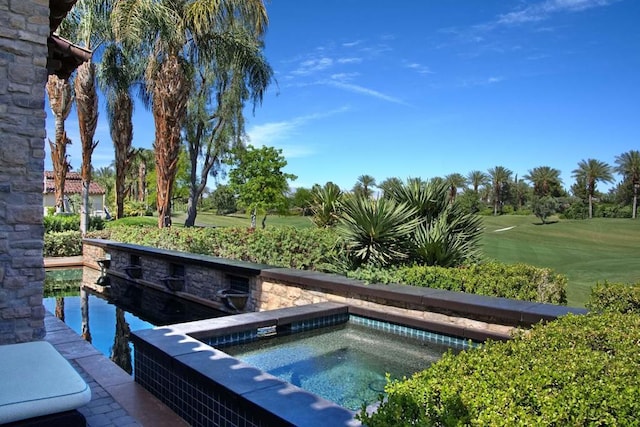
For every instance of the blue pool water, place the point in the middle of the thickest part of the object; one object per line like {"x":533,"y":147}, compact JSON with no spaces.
{"x":102,"y":320}
{"x":345,"y":364}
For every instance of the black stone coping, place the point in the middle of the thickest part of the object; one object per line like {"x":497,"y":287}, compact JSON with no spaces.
{"x":224,"y":264}
{"x":510,"y":311}
{"x":247,"y":321}
{"x":263,"y":391}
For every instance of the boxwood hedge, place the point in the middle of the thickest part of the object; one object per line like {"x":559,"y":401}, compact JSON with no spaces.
{"x":578,"y":370}
{"x":518,"y":281}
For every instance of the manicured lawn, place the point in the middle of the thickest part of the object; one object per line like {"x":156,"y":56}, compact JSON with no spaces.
{"x":586,"y":251}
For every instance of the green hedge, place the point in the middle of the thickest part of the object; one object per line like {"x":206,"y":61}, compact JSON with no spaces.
{"x":617,"y":297}
{"x":518,"y":281}
{"x":578,"y":370}
{"x":279,"y":246}
{"x":64,"y":243}
{"x":58,"y":223}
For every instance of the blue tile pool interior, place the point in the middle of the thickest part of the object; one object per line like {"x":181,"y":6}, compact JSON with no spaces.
{"x":343,"y":358}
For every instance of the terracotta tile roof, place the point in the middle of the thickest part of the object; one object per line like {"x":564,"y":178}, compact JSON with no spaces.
{"x":72,"y":185}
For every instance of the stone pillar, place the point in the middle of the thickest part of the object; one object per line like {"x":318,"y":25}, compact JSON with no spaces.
{"x":24,"y":27}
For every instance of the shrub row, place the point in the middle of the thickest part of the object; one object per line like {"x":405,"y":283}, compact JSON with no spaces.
{"x":578,"y":370}
{"x":518,"y":281}
{"x":58,"y":223}
{"x":64,"y":243}
{"x":617,"y":297}
{"x":278,"y":246}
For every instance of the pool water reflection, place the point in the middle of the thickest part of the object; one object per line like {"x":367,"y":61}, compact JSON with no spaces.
{"x":107,"y":322}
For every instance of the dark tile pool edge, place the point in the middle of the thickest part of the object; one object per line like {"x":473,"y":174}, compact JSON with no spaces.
{"x":207,"y":387}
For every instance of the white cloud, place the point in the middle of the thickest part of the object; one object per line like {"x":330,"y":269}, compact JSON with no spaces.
{"x":271,"y":134}
{"x":422,"y":69}
{"x":349,"y":60}
{"x":313,"y":65}
{"x":541,"y":11}
{"x":352,"y":44}
{"x":364,"y":91}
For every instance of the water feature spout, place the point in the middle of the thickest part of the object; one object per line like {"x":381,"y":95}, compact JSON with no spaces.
{"x":133,"y":271}
{"x":235,"y":300}
{"x":174,"y":283}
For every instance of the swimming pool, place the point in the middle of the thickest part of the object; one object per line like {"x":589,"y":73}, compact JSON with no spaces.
{"x":345,"y":363}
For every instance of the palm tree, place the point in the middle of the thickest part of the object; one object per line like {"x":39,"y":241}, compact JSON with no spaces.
{"x":546,"y":181}
{"x":169,"y":35}
{"x":477,"y":179}
{"x":628,"y":165}
{"x":117,"y":74}
{"x":454,"y":182}
{"x":87,"y":24}
{"x":589,"y":172}
{"x":60,"y":100}
{"x":365,"y":185}
{"x":500,"y":177}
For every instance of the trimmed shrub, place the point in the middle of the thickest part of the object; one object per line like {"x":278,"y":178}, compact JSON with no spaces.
{"x":578,"y":370}
{"x":615,"y":297}
{"x":58,"y":223}
{"x":64,"y":243}
{"x":518,"y":281}
{"x":279,"y":246}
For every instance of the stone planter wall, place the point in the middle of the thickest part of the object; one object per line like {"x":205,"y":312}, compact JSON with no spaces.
{"x":454,"y":313}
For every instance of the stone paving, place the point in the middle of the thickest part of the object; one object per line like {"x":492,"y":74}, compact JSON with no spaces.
{"x":116,"y":399}
{"x":103,"y":410}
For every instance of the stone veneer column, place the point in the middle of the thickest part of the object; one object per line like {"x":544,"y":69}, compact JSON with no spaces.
{"x":24,"y":27}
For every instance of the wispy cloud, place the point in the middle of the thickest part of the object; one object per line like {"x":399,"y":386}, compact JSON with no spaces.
{"x":275,"y":133}
{"x":363,"y":91}
{"x":310,"y":66}
{"x":543,"y":10}
{"x":419,"y":68}
{"x":472,"y":82}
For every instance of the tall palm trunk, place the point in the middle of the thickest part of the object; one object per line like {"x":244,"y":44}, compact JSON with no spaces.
{"x":122,"y":136}
{"x":635,"y":199}
{"x":170,"y":93}
{"x":87,"y":106}
{"x":142,"y":182}
{"x":60,"y":100}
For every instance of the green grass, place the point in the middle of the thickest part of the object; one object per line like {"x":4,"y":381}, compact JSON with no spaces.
{"x":586,"y":251}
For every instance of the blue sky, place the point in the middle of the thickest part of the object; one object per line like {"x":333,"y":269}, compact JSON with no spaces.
{"x":415,"y":88}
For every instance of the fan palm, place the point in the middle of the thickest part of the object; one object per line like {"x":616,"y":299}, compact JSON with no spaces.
{"x":628,"y":165}
{"x":170,"y":34}
{"x":589,"y":172}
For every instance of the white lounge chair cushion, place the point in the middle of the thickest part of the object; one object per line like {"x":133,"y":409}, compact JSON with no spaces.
{"x":37,"y":380}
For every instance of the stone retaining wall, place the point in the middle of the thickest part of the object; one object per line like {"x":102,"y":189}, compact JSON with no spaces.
{"x":469,"y":316}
